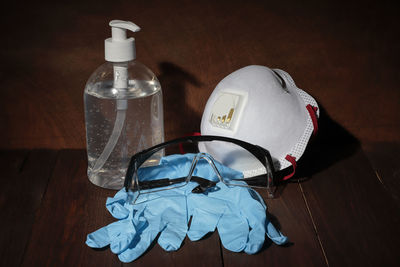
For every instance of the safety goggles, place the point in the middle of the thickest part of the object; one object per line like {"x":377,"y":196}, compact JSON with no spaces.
{"x":149,"y":163}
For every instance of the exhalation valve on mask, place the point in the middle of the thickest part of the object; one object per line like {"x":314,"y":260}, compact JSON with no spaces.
{"x":227,"y":109}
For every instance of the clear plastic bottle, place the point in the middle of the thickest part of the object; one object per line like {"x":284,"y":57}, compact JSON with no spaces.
{"x":123,"y":114}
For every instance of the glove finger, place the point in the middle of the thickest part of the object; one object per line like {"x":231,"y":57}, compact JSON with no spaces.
{"x":276,"y":236}
{"x":205,"y":212}
{"x":110,"y":233}
{"x":233,"y":231}
{"x":172,"y":236}
{"x":117,"y":210}
{"x":202,"y":223}
{"x":254,"y":210}
{"x":115,"y":205}
{"x":174,"y":225}
{"x":256,"y":239}
{"x":121,"y":243}
{"x":98,"y":239}
{"x":121,"y":234}
{"x":138,"y":246}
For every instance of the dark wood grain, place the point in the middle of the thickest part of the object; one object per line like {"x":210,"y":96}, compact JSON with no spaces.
{"x":23,"y":182}
{"x":289,"y":213}
{"x":356,"y":218}
{"x":71,"y":208}
{"x":205,"y":252}
{"x":385,"y":160}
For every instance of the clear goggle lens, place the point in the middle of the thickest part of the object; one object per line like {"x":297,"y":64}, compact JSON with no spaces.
{"x":167,"y":168}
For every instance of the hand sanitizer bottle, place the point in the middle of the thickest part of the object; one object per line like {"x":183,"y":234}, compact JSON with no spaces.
{"x":123,"y":109}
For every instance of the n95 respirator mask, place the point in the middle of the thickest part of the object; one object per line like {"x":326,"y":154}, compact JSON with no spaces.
{"x":261,"y":106}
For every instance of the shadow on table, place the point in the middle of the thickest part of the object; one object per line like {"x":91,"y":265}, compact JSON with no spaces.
{"x":331,"y":144}
{"x":180,"y":118}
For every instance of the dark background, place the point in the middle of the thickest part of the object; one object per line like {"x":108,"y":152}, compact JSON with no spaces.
{"x":345,"y":54}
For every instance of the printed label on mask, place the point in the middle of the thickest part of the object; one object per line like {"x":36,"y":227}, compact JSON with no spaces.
{"x":226,"y":110}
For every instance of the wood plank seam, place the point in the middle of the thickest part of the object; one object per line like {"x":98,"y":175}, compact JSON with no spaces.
{"x":41,"y":201}
{"x":314,"y":225}
{"x":48,"y":181}
{"x":24,"y":161}
{"x":391,"y":193}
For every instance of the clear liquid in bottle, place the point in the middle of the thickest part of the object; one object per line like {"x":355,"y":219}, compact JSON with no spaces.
{"x":114,"y":134}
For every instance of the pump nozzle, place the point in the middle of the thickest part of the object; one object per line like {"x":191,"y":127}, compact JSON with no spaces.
{"x":118,"y":48}
{"x":119,"y":28}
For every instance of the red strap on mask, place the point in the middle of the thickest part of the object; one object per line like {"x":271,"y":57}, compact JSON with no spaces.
{"x":292,"y":160}
{"x":313,"y":115}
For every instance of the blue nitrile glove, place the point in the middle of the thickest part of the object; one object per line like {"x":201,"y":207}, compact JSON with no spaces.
{"x":238,"y":212}
{"x":120,"y":234}
{"x":165,"y":212}
{"x":162,"y":212}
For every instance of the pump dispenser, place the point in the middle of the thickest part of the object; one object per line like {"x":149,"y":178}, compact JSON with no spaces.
{"x":118,"y":48}
{"x":123,"y":109}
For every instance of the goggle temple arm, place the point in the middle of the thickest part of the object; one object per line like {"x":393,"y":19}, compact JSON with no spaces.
{"x":269,"y":167}
{"x":132,"y":169}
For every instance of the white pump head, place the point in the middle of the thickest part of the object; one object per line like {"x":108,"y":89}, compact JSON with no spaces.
{"x":118,"y":48}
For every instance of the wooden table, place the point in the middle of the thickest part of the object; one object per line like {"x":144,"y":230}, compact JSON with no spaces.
{"x":343,"y":215}
{"x":344,"y":211}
